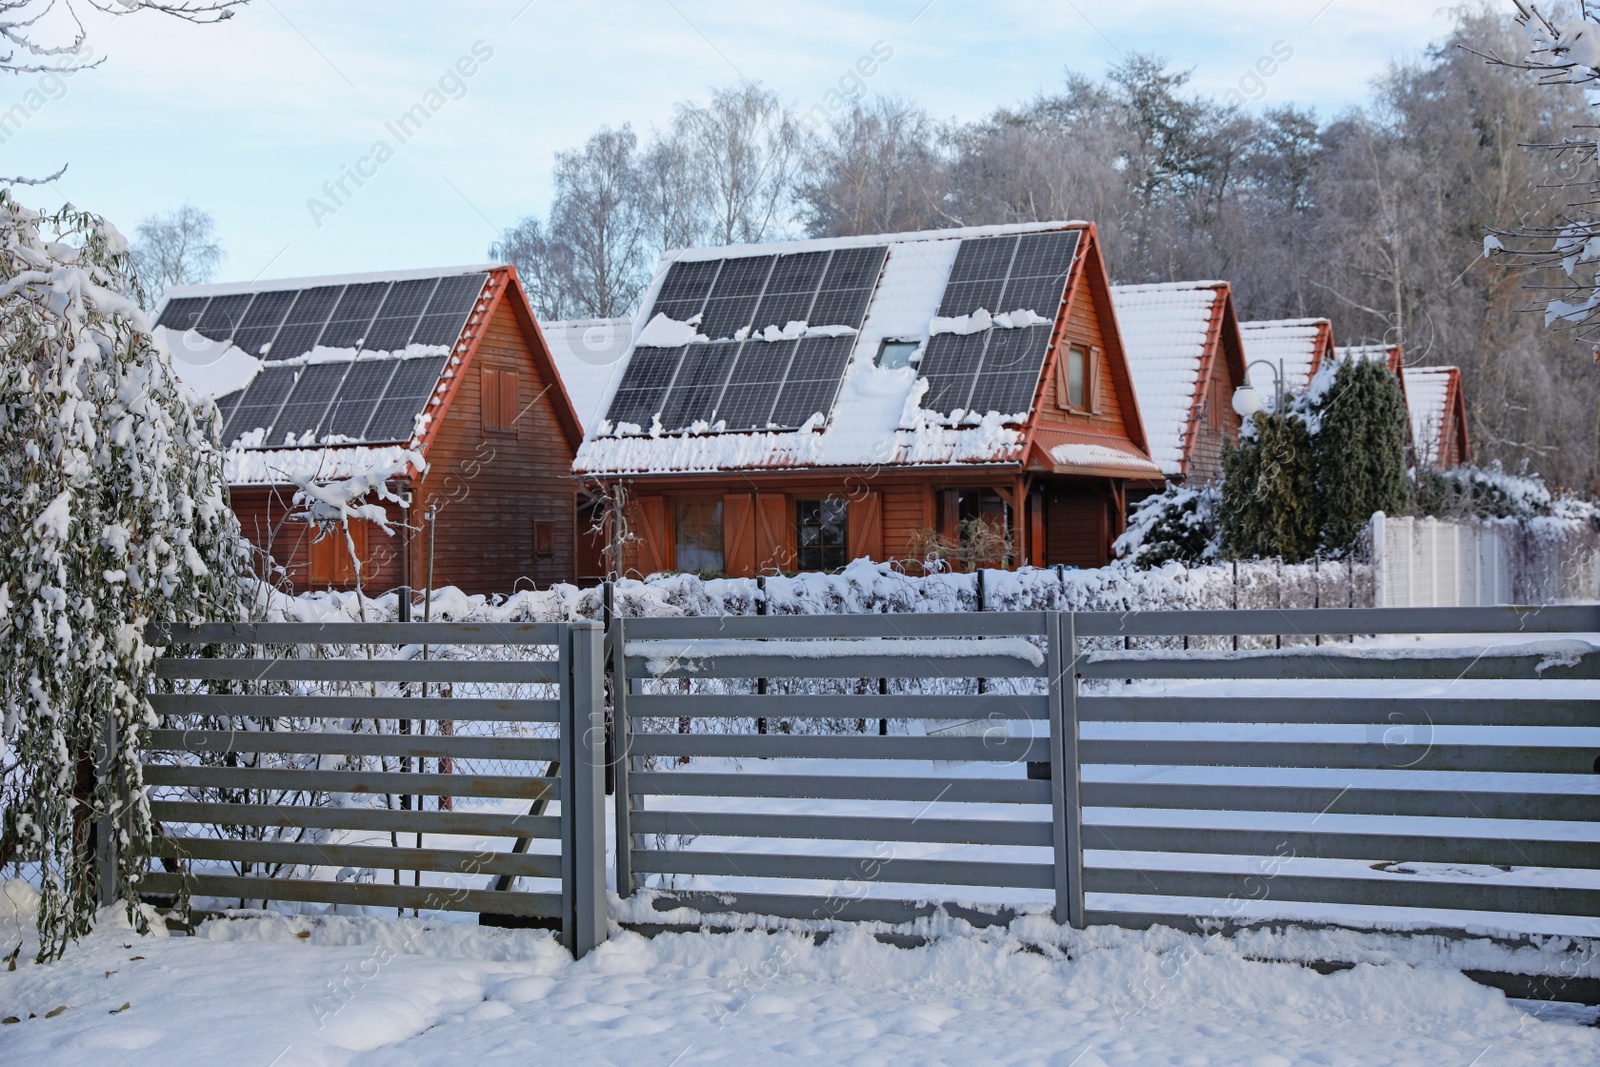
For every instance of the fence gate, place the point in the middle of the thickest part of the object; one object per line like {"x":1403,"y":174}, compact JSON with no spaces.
{"x":425,"y":766}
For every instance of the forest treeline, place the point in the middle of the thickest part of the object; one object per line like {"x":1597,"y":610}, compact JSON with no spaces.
{"x":1374,"y":218}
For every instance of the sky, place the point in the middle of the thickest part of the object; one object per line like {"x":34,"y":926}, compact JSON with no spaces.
{"x":251,"y":118}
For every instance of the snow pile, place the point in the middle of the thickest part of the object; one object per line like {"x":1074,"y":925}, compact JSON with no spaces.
{"x":341,"y":991}
{"x":665,"y":332}
{"x":981,"y":320}
{"x":1166,"y":330}
{"x":292,"y":466}
{"x":210,"y":368}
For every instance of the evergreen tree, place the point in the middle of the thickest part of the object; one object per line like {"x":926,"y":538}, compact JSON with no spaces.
{"x":1359,"y":448}
{"x":113,"y":516}
{"x":1269,"y":500}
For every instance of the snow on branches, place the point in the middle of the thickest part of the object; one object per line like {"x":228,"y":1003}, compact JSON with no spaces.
{"x":113,"y":516}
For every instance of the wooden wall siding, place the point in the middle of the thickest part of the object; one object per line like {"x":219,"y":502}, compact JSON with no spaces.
{"x":906,"y":509}
{"x":1214,"y":423}
{"x":492,"y":486}
{"x":1077,"y":528}
{"x":865,"y":519}
{"x":263,"y":518}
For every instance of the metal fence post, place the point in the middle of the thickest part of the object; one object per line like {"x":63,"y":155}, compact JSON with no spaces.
{"x":621,"y":748}
{"x":582,"y":781}
{"x":1066,"y":815}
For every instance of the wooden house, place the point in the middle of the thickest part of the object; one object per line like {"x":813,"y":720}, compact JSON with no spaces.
{"x":795,"y":406}
{"x":1438,"y":416}
{"x":1187,"y":358}
{"x":1299,"y":346}
{"x":433,"y":387}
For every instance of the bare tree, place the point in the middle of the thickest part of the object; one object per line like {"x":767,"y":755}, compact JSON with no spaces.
{"x":599,"y":216}
{"x":176,"y":248}
{"x":544,"y":265}
{"x":674,"y":200}
{"x":743,"y":146}
{"x":875,"y":169}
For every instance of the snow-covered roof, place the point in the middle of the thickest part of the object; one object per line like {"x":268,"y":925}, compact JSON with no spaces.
{"x":1428,"y":397}
{"x":1166,"y":329}
{"x":877,"y":417}
{"x":1297,"y":343}
{"x":589,"y":357}
{"x":289,"y":466}
{"x":1388,"y":355}
{"x":315,"y":281}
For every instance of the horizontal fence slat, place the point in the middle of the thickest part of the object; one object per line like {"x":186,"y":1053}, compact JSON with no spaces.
{"x":1446,"y":803}
{"x":839,"y":706}
{"x":1013,"y":832}
{"x":464,"y":709}
{"x":356,"y":670}
{"x":328,"y":742}
{"x":849,"y":666}
{"x":1334,"y":664}
{"x":998,"y":748}
{"x":1396,"y":891}
{"x":820,"y":627}
{"x":293,"y":780}
{"x":423,"y":898}
{"x":356,"y":633}
{"x":1384,"y":711}
{"x":845,"y":868}
{"x":850,"y":909}
{"x":397,"y":820}
{"x":1397,"y":848}
{"x":1508,"y":758}
{"x":377,"y":857}
{"x":1312,"y":621}
{"x":842,"y":787}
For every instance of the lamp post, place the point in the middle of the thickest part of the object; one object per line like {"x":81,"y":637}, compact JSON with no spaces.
{"x":1245,"y":399}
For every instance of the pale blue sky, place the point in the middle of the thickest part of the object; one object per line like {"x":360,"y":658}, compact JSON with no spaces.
{"x":248,"y":119}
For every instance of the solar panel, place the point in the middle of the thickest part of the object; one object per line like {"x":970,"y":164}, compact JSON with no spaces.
{"x":358,"y":397}
{"x":689,"y":282}
{"x":644,"y":385}
{"x":981,"y":258}
{"x":813,"y":380}
{"x":181,"y":314}
{"x":753,"y":384}
{"x":261,"y":321}
{"x":742,"y":276}
{"x":840,"y":307}
{"x":259,"y":405}
{"x":397,"y":318}
{"x":726,"y":316}
{"x":407,"y":396}
{"x":698,"y":385}
{"x":798,"y":273}
{"x":225,"y":405}
{"x":455,"y":295}
{"x":950,"y":363}
{"x":306,"y":411}
{"x":304,"y":322}
{"x":780,"y":309}
{"x":222,"y":316}
{"x":855,"y":268}
{"x":348,"y":325}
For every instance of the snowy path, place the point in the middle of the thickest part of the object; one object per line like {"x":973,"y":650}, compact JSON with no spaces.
{"x":342,"y":991}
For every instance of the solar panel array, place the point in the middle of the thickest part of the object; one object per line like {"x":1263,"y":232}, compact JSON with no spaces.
{"x":997,"y":369}
{"x":282,"y":324}
{"x":748,"y":383}
{"x":364,"y":400}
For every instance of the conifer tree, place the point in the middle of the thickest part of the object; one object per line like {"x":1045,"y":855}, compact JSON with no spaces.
{"x":1269,"y":500}
{"x":1359,"y":448}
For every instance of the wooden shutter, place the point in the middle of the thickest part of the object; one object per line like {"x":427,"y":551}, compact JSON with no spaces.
{"x":491,"y":398}
{"x":319,"y":569}
{"x":510,"y":399}
{"x":739,"y":535}
{"x":865,"y":519}
{"x":774,"y":529}
{"x":1091,"y":380}
{"x":652,"y":549}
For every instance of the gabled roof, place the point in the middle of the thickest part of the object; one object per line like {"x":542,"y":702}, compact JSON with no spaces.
{"x":1438,"y":413}
{"x":305,"y":384}
{"x":766,"y":356}
{"x":1173,"y":333}
{"x":1391,"y":356}
{"x":589,"y":355}
{"x":1302,"y":345}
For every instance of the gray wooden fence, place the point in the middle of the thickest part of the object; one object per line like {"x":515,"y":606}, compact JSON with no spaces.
{"x":289,"y":751}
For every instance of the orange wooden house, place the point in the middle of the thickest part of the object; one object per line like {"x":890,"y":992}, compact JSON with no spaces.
{"x":1187,"y":358}
{"x":796,"y":406}
{"x":1438,"y":416}
{"x":435,"y":387}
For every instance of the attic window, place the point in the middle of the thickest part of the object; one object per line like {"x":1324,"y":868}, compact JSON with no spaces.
{"x":895,"y":353}
{"x":1075,"y":384}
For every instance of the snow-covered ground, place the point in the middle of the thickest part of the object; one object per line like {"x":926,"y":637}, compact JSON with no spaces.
{"x":304,"y":991}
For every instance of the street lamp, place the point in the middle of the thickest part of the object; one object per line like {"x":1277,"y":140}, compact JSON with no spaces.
{"x":1246,"y":401}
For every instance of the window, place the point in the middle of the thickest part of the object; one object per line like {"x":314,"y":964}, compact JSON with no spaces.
{"x":821,"y":534}
{"x":544,"y":538}
{"x":895,"y":353}
{"x":500,"y":400}
{"x":1075,"y":379}
{"x":698,"y":534}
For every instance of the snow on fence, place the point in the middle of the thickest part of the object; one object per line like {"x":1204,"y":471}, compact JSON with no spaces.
{"x":1439,"y":563}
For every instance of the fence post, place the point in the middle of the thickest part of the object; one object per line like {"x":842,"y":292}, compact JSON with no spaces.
{"x":622,"y":746}
{"x":583,"y":804}
{"x":1066,"y":815}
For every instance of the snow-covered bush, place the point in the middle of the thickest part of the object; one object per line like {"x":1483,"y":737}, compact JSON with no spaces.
{"x":1176,"y":525}
{"x":113,"y":517}
{"x":1356,"y":417}
{"x":1486,"y":493}
{"x":1269,"y":493}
